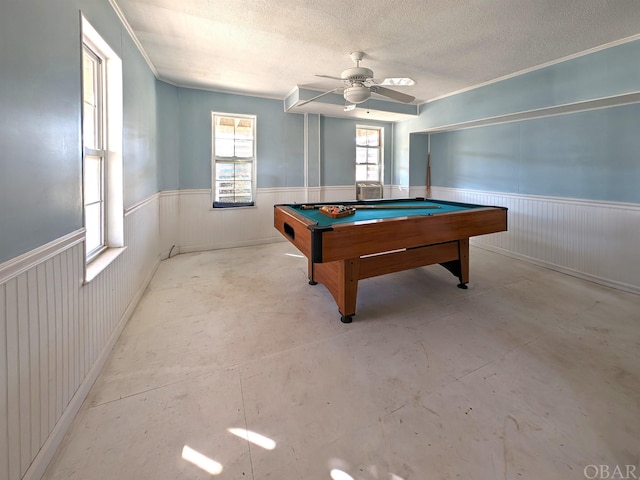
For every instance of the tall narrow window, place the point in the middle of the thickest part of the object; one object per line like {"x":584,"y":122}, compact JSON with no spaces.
{"x":234,"y":160}
{"x":369,"y":154}
{"x":94,"y":153}
{"x":102,"y":122}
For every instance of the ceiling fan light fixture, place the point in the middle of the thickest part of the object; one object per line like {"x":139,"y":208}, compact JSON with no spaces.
{"x":357,"y":94}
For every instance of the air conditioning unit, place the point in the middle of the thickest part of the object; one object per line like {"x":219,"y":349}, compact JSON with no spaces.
{"x":368,"y":191}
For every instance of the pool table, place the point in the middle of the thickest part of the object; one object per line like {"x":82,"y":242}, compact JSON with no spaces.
{"x":384,"y":236}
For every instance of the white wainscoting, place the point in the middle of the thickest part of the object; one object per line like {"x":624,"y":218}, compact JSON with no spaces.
{"x":189,"y":224}
{"x":597,"y":241}
{"x":56,"y":333}
{"x":169,"y":217}
{"x":201,"y":227}
{"x":591,"y":240}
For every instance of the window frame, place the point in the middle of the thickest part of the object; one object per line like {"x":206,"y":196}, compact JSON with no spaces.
{"x":110,"y":150}
{"x":218,"y":160}
{"x":97,"y":150}
{"x":379,"y":148}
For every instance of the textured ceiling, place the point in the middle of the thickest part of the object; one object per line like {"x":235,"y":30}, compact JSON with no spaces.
{"x":268,"y":47}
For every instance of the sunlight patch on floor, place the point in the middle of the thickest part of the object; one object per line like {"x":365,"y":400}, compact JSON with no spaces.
{"x":253,"y":437}
{"x":201,"y":461}
{"x":337,"y":474}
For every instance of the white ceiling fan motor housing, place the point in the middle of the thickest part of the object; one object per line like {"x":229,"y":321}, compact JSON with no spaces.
{"x":357,"y":74}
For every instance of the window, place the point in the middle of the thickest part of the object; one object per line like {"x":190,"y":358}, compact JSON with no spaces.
{"x":368,"y":154}
{"x":102,"y":184}
{"x":234,"y":159}
{"x":94,"y":153}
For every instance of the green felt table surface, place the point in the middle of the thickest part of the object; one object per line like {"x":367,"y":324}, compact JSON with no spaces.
{"x":376,"y":214}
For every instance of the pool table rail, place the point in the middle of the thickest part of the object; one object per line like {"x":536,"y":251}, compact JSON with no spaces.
{"x":347,"y":240}
{"x":354,"y":239}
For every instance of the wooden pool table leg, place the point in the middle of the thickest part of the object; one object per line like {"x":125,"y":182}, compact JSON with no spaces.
{"x":310,"y":272}
{"x":464,"y":262}
{"x":341,"y":279}
{"x":460,"y":267}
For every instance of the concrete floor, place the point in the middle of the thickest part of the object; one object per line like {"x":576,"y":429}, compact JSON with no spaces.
{"x":233,"y":367}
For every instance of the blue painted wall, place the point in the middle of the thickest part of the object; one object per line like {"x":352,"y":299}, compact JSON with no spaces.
{"x":140,"y":140}
{"x":39,"y":125}
{"x":313,"y":149}
{"x":338,"y":149}
{"x":590,"y":154}
{"x":167,"y":130}
{"x":418,"y":151}
{"x":401,"y":153}
{"x":280,"y":141}
{"x":605,"y":73}
{"x":461,"y":159}
{"x":40,"y":111}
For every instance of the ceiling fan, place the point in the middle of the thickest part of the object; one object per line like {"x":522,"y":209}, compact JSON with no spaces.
{"x":359,"y":85}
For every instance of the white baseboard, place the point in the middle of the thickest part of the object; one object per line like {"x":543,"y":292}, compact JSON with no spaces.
{"x":625,"y":287}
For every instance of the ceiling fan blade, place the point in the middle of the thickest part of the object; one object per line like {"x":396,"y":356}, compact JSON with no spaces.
{"x":398,"y":81}
{"x":329,"y":76}
{"x":387,"y":92}
{"x":318,"y":96}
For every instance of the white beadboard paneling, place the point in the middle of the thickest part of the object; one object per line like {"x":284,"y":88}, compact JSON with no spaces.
{"x":596,"y":241}
{"x":200,"y":227}
{"x":34,"y":360}
{"x":16,"y":266}
{"x":4,"y":391}
{"x":56,"y":333}
{"x":203,"y":228}
{"x":340,"y":193}
{"x":314,"y":195}
{"x":22,"y":320}
{"x":13,"y":379}
{"x":43,"y":347}
{"x":414,"y":192}
{"x":169,"y":215}
{"x":397,"y":191}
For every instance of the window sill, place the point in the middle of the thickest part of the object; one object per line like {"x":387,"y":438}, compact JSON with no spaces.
{"x":230,"y":209}
{"x":101,"y":262}
{"x":218,"y":205}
